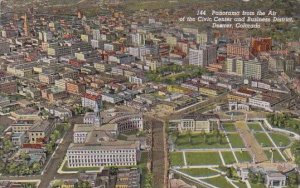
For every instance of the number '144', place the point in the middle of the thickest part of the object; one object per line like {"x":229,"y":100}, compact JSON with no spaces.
{"x":201,"y":12}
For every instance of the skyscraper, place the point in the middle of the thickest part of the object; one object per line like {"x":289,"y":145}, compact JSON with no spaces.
{"x":255,"y":69}
{"x":203,"y":56}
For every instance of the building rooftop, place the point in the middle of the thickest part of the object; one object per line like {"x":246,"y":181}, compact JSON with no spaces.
{"x":40,"y":126}
{"x":275,"y":175}
{"x":27,"y":111}
{"x":201,"y":117}
{"x":105,"y":145}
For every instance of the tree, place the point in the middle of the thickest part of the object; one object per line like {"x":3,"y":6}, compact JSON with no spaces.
{"x":2,"y":165}
{"x":221,"y":139}
{"x":218,"y":133}
{"x":271,"y":118}
{"x":293,"y":179}
{"x":176,"y":136}
{"x":189,"y":133}
{"x":49,"y":147}
{"x":229,"y":172}
{"x":55,"y":135}
{"x":148,"y":180}
{"x":295,"y":149}
{"x":8,"y":145}
{"x":260,"y":178}
{"x":202,"y":133}
{"x":23,"y":169}
{"x":253,"y":177}
{"x":82,"y":184}
{"x":24,"y":156}
{"x":113,"y":171}
{"x":205,"y":138}
{"x":12,"y":168}
{"x":36,"y":167}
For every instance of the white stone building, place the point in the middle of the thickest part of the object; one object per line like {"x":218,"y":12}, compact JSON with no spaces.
{"x":198,"y":123}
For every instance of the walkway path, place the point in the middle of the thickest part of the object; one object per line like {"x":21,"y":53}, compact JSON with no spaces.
{"x":224,"y":149}
{"x":270,"y":127}
{"x":184,"y":158}
{"x":208,"y":177}
{"x":250,"y":142}
{"x":222,"y":159}
{"x":195,"y":179}
{"x":248,"y":184}
{"x":197,"y":166}
{"x":228,"y":141}
{"x":274,"y":144}
{"x":219,"y":171}
{"x":230,"y":181}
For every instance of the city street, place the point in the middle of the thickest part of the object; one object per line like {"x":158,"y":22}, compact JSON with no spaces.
{"x":159,"y":153}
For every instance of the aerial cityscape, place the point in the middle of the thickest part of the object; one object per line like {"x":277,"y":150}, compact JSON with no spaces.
{"x":149,"y":93}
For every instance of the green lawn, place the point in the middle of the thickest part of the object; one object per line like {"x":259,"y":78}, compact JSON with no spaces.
{"x":263,"y":139}
{"x":143,"y":166}
{"x":254,"y":126}
{"x":197,"y":141}
{"x":144,"y":159}
{"x":280,"y":139}
{"x":243,"y":156}
{"x":199,"y":172}
{"x":203,"y":158}
{"x":240,"y":184}
{"x":236,"y":141}
{"x":122,"y":137}
{"x":230,"y":127}
{"x":176,"y":159}
{"x":277,"y":156}
{"x":257,"y":185}
{"x":228,"y":157}
{"x":219,"y":182}
{"x":133,"y":132}
{"x":293,"y":125}
{"x":81,"y":169}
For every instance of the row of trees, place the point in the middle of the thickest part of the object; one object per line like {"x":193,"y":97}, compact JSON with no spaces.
{"x":57,"y":133}
{"x":295,"y":149}
{"x":81,"y":110}
{"x":256,"y":177}
{"x":284,"y":120}
{"x":148,"y":180}
{"x":293,"y":179}
{"x":216,"y":134}
{"x":82,"y":184}
{"x":79,"y":184}
{"x":20,"y":167}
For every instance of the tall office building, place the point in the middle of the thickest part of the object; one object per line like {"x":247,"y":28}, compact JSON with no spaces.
{"x":138,"y":39}
{"x":202,"y":38}
{"x":239,"y":67}
{"x":238,"y":49}
{"x":255,"y":69}
{"x":230,"y":65}
{"x":235,"y":66}
{"x":289,"y":65}
{"x":203,"y":56}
